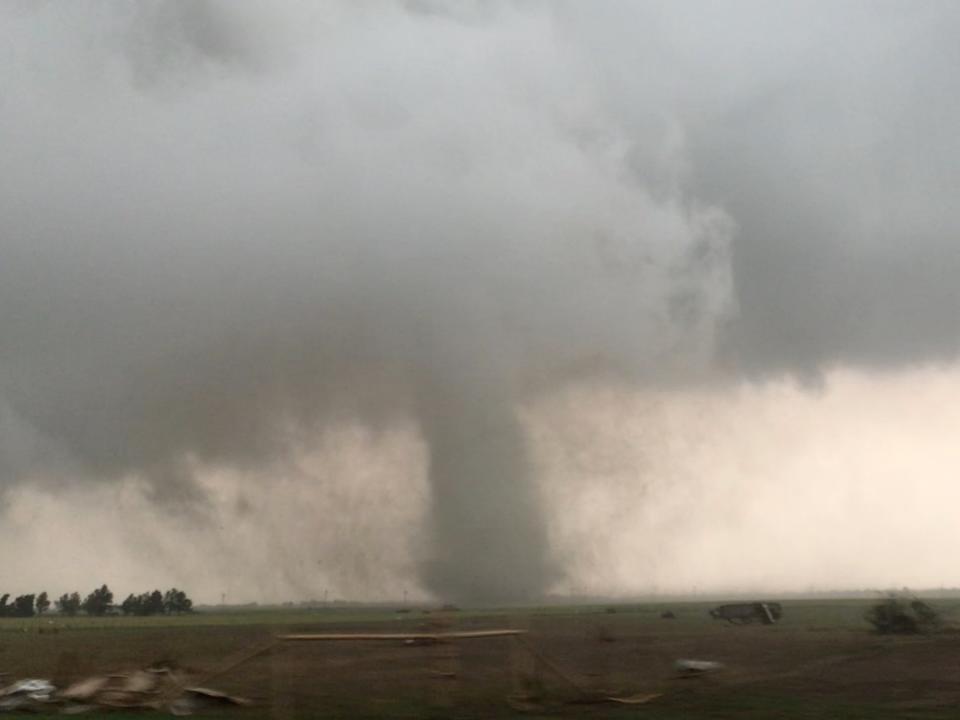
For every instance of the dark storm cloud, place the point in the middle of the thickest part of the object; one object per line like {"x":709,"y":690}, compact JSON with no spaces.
{"x":218,"y":239}
{"x":226,"y":225}
{"x":826,"y":131}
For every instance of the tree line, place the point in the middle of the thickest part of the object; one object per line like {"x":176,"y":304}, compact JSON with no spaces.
{"x":24,"y":605}
{"x":99,"y":603}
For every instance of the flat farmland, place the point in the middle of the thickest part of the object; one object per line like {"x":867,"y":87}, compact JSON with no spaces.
{"x":820,"y":661}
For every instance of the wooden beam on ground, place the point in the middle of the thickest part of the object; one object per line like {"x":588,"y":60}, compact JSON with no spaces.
{"x":416,"y":637}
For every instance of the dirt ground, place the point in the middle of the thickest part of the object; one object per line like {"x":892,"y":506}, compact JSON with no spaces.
{"x":821,"y":661}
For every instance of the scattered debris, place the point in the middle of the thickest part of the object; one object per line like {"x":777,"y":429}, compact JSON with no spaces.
{"x":742,"y":613}
{"x":692,"y":668}
{"x":154,"y":689}
{"x":85,"y":689}
{"x":420,"y":641}
{"x":137,"y":689}
{"x":195,"y":699}
{"x":26,"y":695}
{"x":897,"y":614}
{"x":638,"y":699}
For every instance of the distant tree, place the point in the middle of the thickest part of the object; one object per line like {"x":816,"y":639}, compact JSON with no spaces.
{"x":132,"y":605}
{"x":5,"y":609}
{"x":23,"y":605}
{"x":99,"y":602}
{"x":69,"y":604}
{"x":43,"y":603}
{"x":153,"y":603}
{"x":176,"y":602}
{"x":143,"y":604}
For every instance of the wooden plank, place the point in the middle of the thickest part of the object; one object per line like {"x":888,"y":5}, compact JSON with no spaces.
{"x":461,"y":635}
{"x":766,"y":611}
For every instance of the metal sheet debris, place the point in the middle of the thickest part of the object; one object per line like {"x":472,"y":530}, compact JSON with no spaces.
{"x":767,"y":613}
{"x":195,"y":699}
{"x":156,"y":689}
{"x":26,"y":695}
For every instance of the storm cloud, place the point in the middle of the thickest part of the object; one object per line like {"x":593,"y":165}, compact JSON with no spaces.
{"x":226,"y":228}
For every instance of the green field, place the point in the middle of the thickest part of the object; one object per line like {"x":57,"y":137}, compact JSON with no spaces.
{"x":820,"y":661}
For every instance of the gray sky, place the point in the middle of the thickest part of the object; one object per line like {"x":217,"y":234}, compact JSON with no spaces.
{"x":316,"y":278}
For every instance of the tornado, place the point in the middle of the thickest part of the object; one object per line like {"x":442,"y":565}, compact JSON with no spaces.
{"x":488,"y":540}
{"x":229,"y":229}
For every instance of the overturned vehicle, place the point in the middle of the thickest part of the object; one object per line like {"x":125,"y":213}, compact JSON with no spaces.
{"x":742,"y":613}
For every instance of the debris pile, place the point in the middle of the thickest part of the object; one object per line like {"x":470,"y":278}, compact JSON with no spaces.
{"x":153,"y":689}
{"x":902,"y":615}
{"x":26,"y":695}
{"x":767,"y":613}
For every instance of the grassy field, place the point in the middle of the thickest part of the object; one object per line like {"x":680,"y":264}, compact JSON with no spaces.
{"x":820,"y":661}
